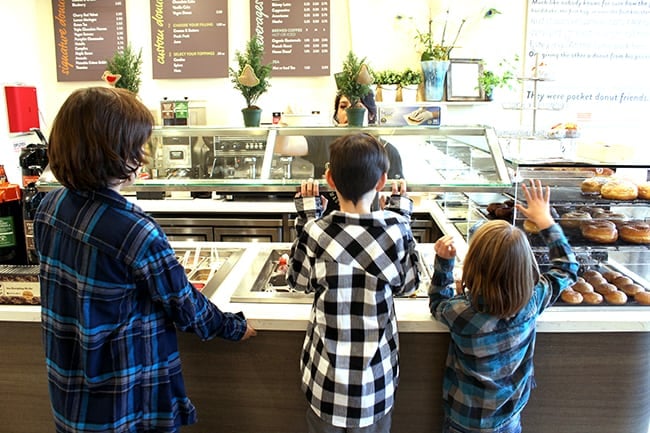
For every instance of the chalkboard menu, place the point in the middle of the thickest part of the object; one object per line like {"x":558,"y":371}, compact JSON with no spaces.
{"x":86,"y":34}
{"x":594,"y":53}
{"x":189,"y":38}
{"x":295,"y":35}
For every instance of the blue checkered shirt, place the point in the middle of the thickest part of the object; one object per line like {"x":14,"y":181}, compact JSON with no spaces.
{"x":489,"y":371}
{"x":113,"y":295}
{"x":354,"y":264}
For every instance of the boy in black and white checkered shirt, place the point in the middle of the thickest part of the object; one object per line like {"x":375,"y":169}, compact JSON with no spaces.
{"x":354,"y":261}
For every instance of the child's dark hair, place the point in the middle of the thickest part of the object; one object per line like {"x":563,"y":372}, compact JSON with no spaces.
{"x":500,"y":270}
{"x":97,"y":138}
{"x":357,"y":162}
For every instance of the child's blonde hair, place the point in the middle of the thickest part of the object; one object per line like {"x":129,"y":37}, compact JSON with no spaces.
{"x":500,"y":269}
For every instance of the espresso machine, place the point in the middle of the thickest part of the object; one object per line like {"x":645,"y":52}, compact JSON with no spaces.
{"x":237,"y":158}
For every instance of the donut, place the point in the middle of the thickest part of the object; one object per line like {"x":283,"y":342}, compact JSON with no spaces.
{"x":494,"y":206}
{"x":610,"y":276}
{"x":616,"y":298}
{"x":593,"y":185}
{"x":573,"y":220}
{"x":644,"y":190}
{"x":590,"y":273}
{"x":571,"y":297}
{"x":622,"y":281}
{"x":642,"y":298}
{"x":615,"y":217}
{"x":601,"y":231}
{"x":592,"y":298}
{"x":605,"y":288}
{"x":505,"y":213}
{"x":636,"y":232}
{"x":582,"y":287}
{"x":530,"y":226}
{"x":591,"y":210}
{"x":632,"y":289}
{"x":619,"y":190}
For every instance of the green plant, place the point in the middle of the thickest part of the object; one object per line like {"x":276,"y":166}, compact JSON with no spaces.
{"x":493,"y":79}
{"x":251,"y":77}
{"x":386,"y":77}
{"x":355,"y":79}
{"x":410,"y":77}
{"x":128,"y":65}
{"x":433,"y":50}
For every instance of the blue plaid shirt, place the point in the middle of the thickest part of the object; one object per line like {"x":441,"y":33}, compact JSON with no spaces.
{"x":113,"y":295}
{"x":354,"y":264}
{"x":489,"y":371}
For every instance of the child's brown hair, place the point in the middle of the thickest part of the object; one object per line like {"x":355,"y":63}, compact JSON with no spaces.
{"x":500,"y":270}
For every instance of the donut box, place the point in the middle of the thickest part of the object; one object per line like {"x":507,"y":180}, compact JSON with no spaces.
{"x":19,"y":285}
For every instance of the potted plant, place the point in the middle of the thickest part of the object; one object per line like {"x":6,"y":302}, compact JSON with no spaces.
{"x":387,"y":82}
{"x":409,"y":82}
{"x":251,"y":78}
{"x":354,"y":82}
{"x":123,"y":70}
{"x":494,"y":79}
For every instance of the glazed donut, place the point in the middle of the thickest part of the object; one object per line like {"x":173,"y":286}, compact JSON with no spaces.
{"x":601,"y":231}
{"x":632,"y":289}
{"x":593,"y":298}
{"x":615,"y":217}
{"x":597,"y":281}
{"x":610,"y":276}
{"x":642,"y":298}
{"x":590,"y":273}
{"x":622,"y":281}
{"x":605,"y":288}
{"x":530,"y":227}
{"x":571,"y":297}
{"x":582,"y":287}
{"x":593,"y":185}
{"x":573,"y":220}
{"x":644,"y":190}
{"x":616,"y":298}
{"x":619,"y":190}
{"x":636,"y":232}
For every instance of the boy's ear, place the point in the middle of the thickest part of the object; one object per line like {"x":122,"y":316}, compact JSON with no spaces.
{"x":328,"y":178}
{"x":381,"y":182}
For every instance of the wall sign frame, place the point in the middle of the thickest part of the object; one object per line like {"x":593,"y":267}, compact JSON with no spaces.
{"x":463,"y":80}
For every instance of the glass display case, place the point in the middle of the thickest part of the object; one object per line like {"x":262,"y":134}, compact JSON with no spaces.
{"x":466,"y":158}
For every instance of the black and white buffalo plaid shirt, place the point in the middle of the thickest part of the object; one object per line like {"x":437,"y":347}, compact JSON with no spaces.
{"x":354,"y":264}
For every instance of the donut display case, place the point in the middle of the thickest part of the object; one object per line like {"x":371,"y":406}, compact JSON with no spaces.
{"x":206,"y":264}
{"x":605,"y":214}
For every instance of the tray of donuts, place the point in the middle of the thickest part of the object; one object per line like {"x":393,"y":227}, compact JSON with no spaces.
{"x":605,"y":286}
{"x":602,"y":226}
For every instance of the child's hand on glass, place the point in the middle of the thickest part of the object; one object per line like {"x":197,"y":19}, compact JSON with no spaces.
{"x":444,"y":247}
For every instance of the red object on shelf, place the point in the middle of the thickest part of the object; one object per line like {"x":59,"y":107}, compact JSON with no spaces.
{"x":22,"y":108}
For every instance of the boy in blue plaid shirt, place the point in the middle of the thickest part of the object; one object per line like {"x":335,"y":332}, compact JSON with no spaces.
{"x":355,"y":261}
{"x":489,"y":372}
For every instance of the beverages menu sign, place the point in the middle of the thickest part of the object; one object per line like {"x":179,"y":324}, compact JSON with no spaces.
{"x":86,"y":34}
{"x":295,"y":35}
{"x":189,"y":38}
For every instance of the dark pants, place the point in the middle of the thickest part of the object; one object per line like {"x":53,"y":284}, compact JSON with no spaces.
{"x":512,"y":426}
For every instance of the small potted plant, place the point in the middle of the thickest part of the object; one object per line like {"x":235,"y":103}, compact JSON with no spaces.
{"x":123,"y":70}
{"x":354,"y":82}
{"x":409,"y":82}
{"x":493,"y":79}
{"x":251,"y":78}
{"x":387,"y":82}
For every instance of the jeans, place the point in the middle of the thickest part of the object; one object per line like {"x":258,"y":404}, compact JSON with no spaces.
{"x":512,"y":426}
{"x":317,"y":425}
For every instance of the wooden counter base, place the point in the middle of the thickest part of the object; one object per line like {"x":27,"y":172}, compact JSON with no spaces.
{"x":586,"y":383}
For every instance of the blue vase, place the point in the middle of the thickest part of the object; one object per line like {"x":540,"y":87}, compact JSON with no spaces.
{"x":434,"y":72}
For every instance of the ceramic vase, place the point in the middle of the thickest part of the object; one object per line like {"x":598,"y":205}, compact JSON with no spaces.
{"x":388,"y":92}
{"x":409,"y":93}
{"x":434,"y":72}
{"x":355,"y":116}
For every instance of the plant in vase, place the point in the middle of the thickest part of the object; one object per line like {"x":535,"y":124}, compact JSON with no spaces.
{"x":409,"y":82}
{"x":387,"y":82}
{"x":124,"y":69}
{"x":494,"y":79}
{"x":251,"y":78}
{"x":354,"y":82}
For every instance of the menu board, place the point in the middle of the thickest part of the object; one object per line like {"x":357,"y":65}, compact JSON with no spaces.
{"x":86,"y":34}
{"x":295,"y":35}
{"x":189,"y":38}
{"x":594,"y":53}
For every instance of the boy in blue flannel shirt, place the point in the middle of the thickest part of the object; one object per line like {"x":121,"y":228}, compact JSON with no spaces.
{"x":354,"y":261}
{"x":489,"y":372}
